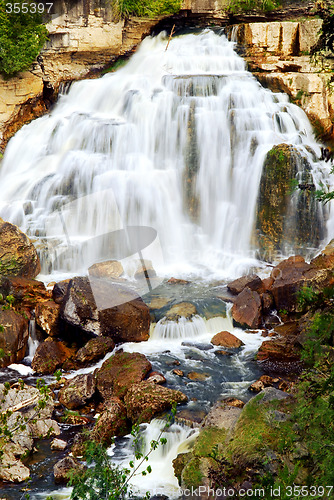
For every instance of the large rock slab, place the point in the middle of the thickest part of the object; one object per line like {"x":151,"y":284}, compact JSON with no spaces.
{"x":94,"y":350}
{"x":247,"y":309}
{"x":77,"y":391}
{"x":18,"y":256}
{"x":13,"y":337}
{"x":50,"y":355}
{"x":119,"y":372}
{"x":145,"y":400}
{"x":90,"y":311}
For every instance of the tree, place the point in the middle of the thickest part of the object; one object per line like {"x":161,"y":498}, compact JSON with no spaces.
{"x":325,"y":10}
{"x":22,"y":35}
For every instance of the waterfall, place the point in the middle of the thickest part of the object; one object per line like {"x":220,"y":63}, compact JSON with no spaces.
{"x":174,"y":141}
{"x":32,"y":340}
{"x":161,"y":481}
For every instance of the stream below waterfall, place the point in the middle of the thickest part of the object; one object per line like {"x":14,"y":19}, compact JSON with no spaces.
{"x":173,"y":142}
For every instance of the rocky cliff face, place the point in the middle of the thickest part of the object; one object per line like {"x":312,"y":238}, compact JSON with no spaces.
{"x":278,"y":54}
{"x":80,"y":44}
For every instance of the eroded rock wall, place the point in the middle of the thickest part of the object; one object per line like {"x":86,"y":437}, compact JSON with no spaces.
{"x":278,"y":54}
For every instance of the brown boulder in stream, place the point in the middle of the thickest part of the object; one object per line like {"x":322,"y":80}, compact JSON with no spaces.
{"x":112,"y":422}
{"x":119,"y":372}
{"x":226,"y":339}
{"x":145,"y":400}
{"x":94,"y":350}
{"x":77,"y":391}
{"x":50,"y":355}
{"x":251,"y":281}
{"x":108,"y":309}
{"x":247,"y":309}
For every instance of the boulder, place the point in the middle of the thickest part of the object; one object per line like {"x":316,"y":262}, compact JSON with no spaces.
{"x":94,"y":350}
{"x":144,"y":269}
{"x":325,"y":260}
{"x":127,"y":321}
{"x":289,"y":279}
{"x":12,"y":469}
{"x":119,"y":372}
{"x":59,"y":291}
{"x":280,"y":355}
{"x":78,"y":391}
{"x":112,"y":422}
{"x":178,"y":281}
{"x":26,"y":292}
{"x":47,"y":317}
{"x":145,"y":400}
{"x":18,"y":256}
{"x":64,"y":467}
{"x":252,"y":281}
{"x":58,"y":444}
{"x":222,"y":416}
{"x":156,"y":377}
{"x":287,"y":216}
{"x":181,"y":310}
{"x":108,"y":269}
{"x":262,"y":382}
{"x":247,"y":309}
{"x":13,"y":337}
{"x":226,"y":339}
{"x":50,"y":355}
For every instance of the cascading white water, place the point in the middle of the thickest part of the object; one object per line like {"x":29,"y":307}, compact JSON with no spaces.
{"x":175,"y":140}
{"x":162,"y":480}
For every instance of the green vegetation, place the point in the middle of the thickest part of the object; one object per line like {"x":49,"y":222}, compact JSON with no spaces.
{"x":147,"y":8}
{"x":325,"y":10}
{"x":248,"y":5}
{"x":22,"y":35}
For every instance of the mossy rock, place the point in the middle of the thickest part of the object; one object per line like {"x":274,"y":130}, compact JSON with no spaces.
{"x":288,"y":216}
{"x":196,"y":472}
{"x":210,"y":442}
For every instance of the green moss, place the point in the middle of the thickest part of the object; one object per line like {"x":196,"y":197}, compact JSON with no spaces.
{"x":192,"y":475}
{"x":236,"y":6}
{"x":286,"y":217}
{"x":209,"y":441}
{"x":147,"y":8}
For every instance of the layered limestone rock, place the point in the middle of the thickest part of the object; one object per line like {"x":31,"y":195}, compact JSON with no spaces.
{"x":278,"y":53}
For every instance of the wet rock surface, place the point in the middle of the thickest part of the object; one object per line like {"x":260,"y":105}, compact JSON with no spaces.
{"x":18,"y":256}
{"x":118,"y":373}
{"x":145,"y":400}
{"x":50,"y":355}
{"x":102,"y":307}
{"x":247,"y":308}
{"x":77,"y":391}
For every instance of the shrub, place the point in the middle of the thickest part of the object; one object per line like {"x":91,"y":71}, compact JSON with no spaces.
{"x":22,"y":35}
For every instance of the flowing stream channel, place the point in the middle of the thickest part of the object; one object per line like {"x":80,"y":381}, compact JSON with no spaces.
{"x":170,"y":148}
